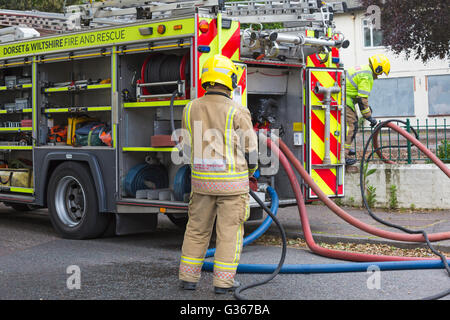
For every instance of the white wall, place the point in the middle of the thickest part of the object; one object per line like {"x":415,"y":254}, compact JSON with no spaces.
{"x":356,"y":54}
{"x":408,"y":179}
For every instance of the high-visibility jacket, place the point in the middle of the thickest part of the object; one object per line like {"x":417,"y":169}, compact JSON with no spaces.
{"x":359,"y":84}
{"x":222,"y":138}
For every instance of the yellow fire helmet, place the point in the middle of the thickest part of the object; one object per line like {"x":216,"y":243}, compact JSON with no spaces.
{"x":219,"y":69}
{"x":380,"y":63}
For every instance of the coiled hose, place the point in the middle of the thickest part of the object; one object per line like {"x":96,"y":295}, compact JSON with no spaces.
{"x":139,"y":174}
{"x":161,"y":67}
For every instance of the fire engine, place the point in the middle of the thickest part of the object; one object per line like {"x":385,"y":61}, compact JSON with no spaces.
{"x":89,"y":100}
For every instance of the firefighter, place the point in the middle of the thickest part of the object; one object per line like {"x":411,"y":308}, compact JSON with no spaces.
{"x":223,"y":146}
{"x":359,"y":85}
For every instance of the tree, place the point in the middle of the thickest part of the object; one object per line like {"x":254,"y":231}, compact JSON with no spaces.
{"x":418,"y":28}
{"x":39,"y":5}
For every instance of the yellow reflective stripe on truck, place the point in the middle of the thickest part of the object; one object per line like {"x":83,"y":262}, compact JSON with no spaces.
{"x":99,"y":38}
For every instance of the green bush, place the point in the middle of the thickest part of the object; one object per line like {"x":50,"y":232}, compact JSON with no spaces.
{"x":370,"y":190}
{"x":443,"y":151}
{"x":371,"y":196}
{"x":393,"y":201}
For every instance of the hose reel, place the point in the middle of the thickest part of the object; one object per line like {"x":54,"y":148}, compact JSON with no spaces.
{"x":182,"y":183}
{"x":162,"y":74}
{"x":140,"y":175}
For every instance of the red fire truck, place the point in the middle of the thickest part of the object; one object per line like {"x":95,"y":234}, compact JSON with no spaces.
{"x":88,"y":107}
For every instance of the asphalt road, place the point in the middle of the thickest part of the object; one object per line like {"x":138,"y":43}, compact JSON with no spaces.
{"x":36,"y":264}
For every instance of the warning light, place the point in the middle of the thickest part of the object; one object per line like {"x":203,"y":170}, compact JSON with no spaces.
{"x":203,"y":26}
{"x":161,"y":29}
{"x":204,"y":49}
{"x":178,"y":27}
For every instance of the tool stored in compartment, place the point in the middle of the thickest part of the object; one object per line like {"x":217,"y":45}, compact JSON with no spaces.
{"x":73,"y":124}
{"x":162,"y":141}
{"x":26,"y":123}
{"x":89,"y":134}
{"x":57,"y":134}
{"x":10,"y":81}
{"x":106,"y":137}
{"x":21,"y":178}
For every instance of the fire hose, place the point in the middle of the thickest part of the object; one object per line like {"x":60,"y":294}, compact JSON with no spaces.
{"x":383,"y":262}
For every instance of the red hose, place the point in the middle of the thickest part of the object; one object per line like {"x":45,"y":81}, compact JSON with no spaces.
{"x":347,"y":217}
{"x":335,"y":254}
{"x":421,"y":147}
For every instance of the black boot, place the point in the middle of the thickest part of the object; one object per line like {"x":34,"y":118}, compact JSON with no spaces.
{"x":188,"y":285}
{"x":219,"y":290}
{"x":350,"y":162}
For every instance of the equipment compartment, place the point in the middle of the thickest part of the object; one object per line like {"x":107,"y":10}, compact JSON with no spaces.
{"x":278,"y":107}
{"x":147,"y":82}
{"x":75,"y":91}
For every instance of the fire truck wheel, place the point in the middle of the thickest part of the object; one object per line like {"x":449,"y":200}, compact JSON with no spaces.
{"x":72,"y":203}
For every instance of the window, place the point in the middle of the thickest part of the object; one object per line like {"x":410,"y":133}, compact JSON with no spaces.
{"x":372,"y":37}
{"x":439,"y":95}
{"x":393,"y":97}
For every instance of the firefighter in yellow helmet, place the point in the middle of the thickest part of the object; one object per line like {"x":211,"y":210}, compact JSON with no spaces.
{"x":359,"y":85}
{"x":220,"y":170}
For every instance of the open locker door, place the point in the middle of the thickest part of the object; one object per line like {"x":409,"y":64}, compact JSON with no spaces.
{"x":325,"y":129}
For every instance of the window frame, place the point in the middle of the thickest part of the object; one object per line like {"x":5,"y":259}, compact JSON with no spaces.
{"x":428,"y":88}
{"x":371,"y":28}
{"x":392,"y":115}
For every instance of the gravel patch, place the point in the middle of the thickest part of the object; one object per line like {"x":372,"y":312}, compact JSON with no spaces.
{"x":367,"y":248}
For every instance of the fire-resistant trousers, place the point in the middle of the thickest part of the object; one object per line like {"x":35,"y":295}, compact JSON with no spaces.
{"x":230,"y":213}
{"x":352,"y":127}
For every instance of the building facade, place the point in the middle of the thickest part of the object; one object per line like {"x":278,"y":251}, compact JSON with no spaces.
{"x":414,"y":90}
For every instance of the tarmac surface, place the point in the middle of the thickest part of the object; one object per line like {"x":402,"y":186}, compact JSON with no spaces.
{"x":36,"y":264}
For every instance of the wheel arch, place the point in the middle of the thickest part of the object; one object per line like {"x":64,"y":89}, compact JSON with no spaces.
{"x":53,"y":159}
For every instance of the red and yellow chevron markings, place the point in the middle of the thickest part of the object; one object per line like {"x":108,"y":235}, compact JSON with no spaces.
{"x":242,"y":83}
{"x":231,"y":41}
{"x":325,"y":177}
{"x":230,"y":44}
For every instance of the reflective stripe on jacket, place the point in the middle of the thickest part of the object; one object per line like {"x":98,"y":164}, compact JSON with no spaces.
{"x":216,"y":126}
{"x":359,"y":84}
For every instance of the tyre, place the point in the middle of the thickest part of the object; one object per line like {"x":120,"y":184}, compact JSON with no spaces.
{"x":73,"y":203}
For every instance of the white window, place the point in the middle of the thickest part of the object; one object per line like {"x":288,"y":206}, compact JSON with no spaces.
{"x":439,"y":95}
{"x":372,"y":36}
{"x":393,"y":97}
